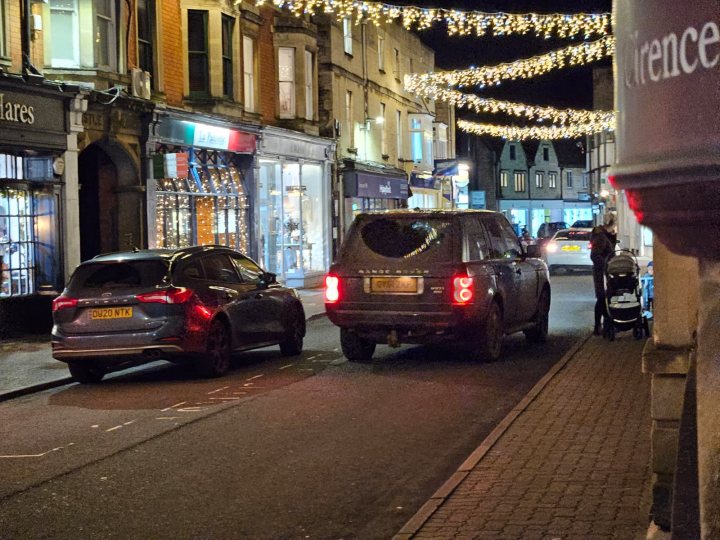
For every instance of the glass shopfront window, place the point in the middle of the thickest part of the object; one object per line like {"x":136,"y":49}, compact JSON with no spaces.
{"x":210,"y":206}
{"x":293,"y":218}
{"x":355,"y":205}
{"x":29,"y":255}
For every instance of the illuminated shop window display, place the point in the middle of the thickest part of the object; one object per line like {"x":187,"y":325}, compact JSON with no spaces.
{"x":210,"y":206}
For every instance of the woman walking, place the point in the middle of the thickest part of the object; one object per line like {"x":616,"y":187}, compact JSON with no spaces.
{"x":601,"y":247}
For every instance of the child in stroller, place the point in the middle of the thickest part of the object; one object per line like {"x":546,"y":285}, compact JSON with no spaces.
{"x":623,"y":297}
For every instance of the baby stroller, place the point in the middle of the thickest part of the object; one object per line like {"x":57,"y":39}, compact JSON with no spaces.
{"x":623,"y":297}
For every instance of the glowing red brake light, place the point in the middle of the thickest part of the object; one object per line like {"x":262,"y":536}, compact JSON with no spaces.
{"x":463,"y":290}
{"x":172,"y":295}
{"x":63,"y":302}
{"x":332,"y":289}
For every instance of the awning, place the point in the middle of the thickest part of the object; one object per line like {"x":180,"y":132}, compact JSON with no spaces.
{"x":373,"y":185}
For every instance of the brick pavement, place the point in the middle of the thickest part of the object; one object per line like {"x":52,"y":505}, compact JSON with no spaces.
{"x":572,"y":463}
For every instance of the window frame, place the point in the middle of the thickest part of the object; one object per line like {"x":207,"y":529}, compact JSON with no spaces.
{"x":146,"y":42}
{"x":520,"y":181}
{"x":200,"y":53}
{"x":513,"y":152}
{"x":249,"y":74}
{"x":309,"y":85}
{"x":287,"y":81}
{"x":539,"y":179}
{"x":399,"y":135}
{"x":569,"y":179}
{"x":109,"y":23}
{"x":396,"y":65}
{"x":383,"y":133}
{"x":546,"y":153}
{"x":552,"y":180}
{"x":381,"y":51}
{"x":504,"y":178}
{"x":349,"y":117}
{"x":347,"y":25}
{"x":74,"y":36}
{"x":3,"y":29}
{"x":227,"y":24}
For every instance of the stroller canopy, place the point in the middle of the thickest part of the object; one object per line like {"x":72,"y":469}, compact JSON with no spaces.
{"x":622,"y":263}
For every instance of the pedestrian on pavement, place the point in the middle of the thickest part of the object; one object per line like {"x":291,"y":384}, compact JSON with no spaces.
{"x":602,"y":246}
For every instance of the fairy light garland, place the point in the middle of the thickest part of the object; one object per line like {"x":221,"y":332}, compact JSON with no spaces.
{"x":575,"y":55}
{"x":571,"y":131}
{"x":458,"y":22}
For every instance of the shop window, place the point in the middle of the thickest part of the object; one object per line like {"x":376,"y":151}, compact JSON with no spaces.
{"x":146,"y":37}
{"x":228,"y":26}
{"x":347,"y":35}
{"x":552,"y":180}
{"x":249,"y":73}
{"x":519,"y":181}
{"x":381,"y":51}
{"x":309,"y":85}
{"x":539,"y":179}
{"x":105,"y":39}
{"x":64,"y":34}
{"x":286,"y":81}
{"x":198,"y":52}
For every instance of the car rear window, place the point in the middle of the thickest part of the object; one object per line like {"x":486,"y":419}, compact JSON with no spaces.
{"x":417,"y":238}
{"x":117,"y":275}
{"x":574,"y":236}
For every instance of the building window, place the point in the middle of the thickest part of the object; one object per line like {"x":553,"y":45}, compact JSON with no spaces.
{"x":539,"y":179}
{"x":383,"y":138}
{"x":552,"y":180}
{"x":569,"y":179}
{"x":64,"y":35}
{"x":512,"y":151}
{"x":249,"y":73}
{"x":399,"y":134}
{"x":349,"y":118}
{"x":416,"y":140}
{"x":396,"y":65}
{"x":440,"y":140}
{"x":504,"y":177}
{"x":198,"y":51}
{"x":3,"y":39}
{"x":228,"y":24}
{"x":309,"y":86}
{"x":347,"y":35}
{"x":146,"y":37}
{"x":546,"y":153}
{"x":381,"y":51}
{"x":105,"y":42}
{"x":519,"y":181}
{"x":286,"y":78}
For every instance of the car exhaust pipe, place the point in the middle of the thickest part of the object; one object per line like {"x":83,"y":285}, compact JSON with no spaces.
{"x":392,"y":339}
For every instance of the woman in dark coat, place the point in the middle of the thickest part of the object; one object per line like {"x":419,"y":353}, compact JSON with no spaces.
{"x":601,"y":247}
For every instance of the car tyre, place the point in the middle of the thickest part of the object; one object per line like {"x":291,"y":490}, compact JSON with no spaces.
{"x":292,"y":345}
{"x":489,"y":345}
{"x":86,"y":373}
{"x":216,"y":361}
{"x":539,"y":333}
{"x":354,"y":347}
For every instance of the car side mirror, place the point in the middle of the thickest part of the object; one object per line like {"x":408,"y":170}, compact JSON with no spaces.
{"x":532,"y":251}
{"x":268,"y":278}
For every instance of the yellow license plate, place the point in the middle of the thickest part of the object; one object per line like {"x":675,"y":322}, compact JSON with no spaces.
{"x":393,"y":284}
{"x":571,"y":248}
{"x":111,"y":313}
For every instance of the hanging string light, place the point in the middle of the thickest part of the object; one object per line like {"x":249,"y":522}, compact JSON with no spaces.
{"x":532,"y":112}
{"x":575,"y":55}
{"x":458,"y":22}
{"x":571,"y":131}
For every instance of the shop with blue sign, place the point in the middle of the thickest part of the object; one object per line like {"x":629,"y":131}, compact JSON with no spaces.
{"x":372,"y":188}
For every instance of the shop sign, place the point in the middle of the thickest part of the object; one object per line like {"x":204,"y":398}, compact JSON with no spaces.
{"x":374,"y":186}
{"x":207,"y":136}
{"x":284,"y":146}
{"x":668,"y":87}
{"x":30,"y":110}
{"x":477,"y":200}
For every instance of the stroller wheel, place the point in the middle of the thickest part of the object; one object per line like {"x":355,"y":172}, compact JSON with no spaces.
{"x":638,"y":332}
{"x":610,"y":333}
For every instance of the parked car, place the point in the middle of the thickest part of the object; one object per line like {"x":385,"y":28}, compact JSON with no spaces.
{"x":569,"y":249}
{"x":429,"y":276}
{"x":198,"y":304}
{"x":582,"y":224}
{"x":547,"y":230}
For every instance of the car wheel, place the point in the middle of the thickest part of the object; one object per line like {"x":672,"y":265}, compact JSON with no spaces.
{"x":86,"y":373}
{"x":489,"y":346}
{"x":538,"y":334}
{"x":216,"y":361}
{"x":354,"y":347}
{"x":293,"y":343}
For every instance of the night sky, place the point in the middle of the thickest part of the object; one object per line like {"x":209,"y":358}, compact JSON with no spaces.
{"x":569,"y":87}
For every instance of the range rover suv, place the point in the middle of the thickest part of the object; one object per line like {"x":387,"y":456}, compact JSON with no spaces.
{"x":434,"y":276}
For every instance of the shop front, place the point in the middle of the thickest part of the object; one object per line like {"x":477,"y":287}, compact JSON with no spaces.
{"x":372,"y":188}
{"x":200,"y":185}
{"x":426,"y":191}
{"x":294,"y":210}
{"x":33,"y":123}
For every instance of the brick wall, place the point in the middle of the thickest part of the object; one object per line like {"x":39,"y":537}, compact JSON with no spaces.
{"x":267,"y":72}
{"x":171,"y":52}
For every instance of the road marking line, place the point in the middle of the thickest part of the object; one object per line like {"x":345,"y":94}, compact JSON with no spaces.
{"x":255,"y":377}
{"x":167,"y":418}
{"x":225,"y":398}
{"x":95,"y":426}
{"x":11,"y":456}
{"x":240,"y":393}
{"x":173,"y":406}
{"x":313,"y":356}
{"x":218,"y":390}
{"x":306,"y":369}
{"x":113,"y":428}
{"x":287,"y":366}
{"x":191,"y":409}
{"x":130,"y":422}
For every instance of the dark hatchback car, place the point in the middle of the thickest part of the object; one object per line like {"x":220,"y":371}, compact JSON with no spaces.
{"x":198,"y":304}
{"x":436,"y":277}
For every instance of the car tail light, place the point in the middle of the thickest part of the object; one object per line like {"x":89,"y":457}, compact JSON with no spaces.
{"x":332,"y":289}
{"x":172,"y":295}
{"x":64,"y":302}
{"x":463,"y":288}
{"x":551,"y":247}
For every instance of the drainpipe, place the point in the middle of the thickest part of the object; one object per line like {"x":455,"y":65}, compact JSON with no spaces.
{"x":25,"y":36}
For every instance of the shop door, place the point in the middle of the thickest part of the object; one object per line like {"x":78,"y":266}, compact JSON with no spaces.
{"x":98,"y":203}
